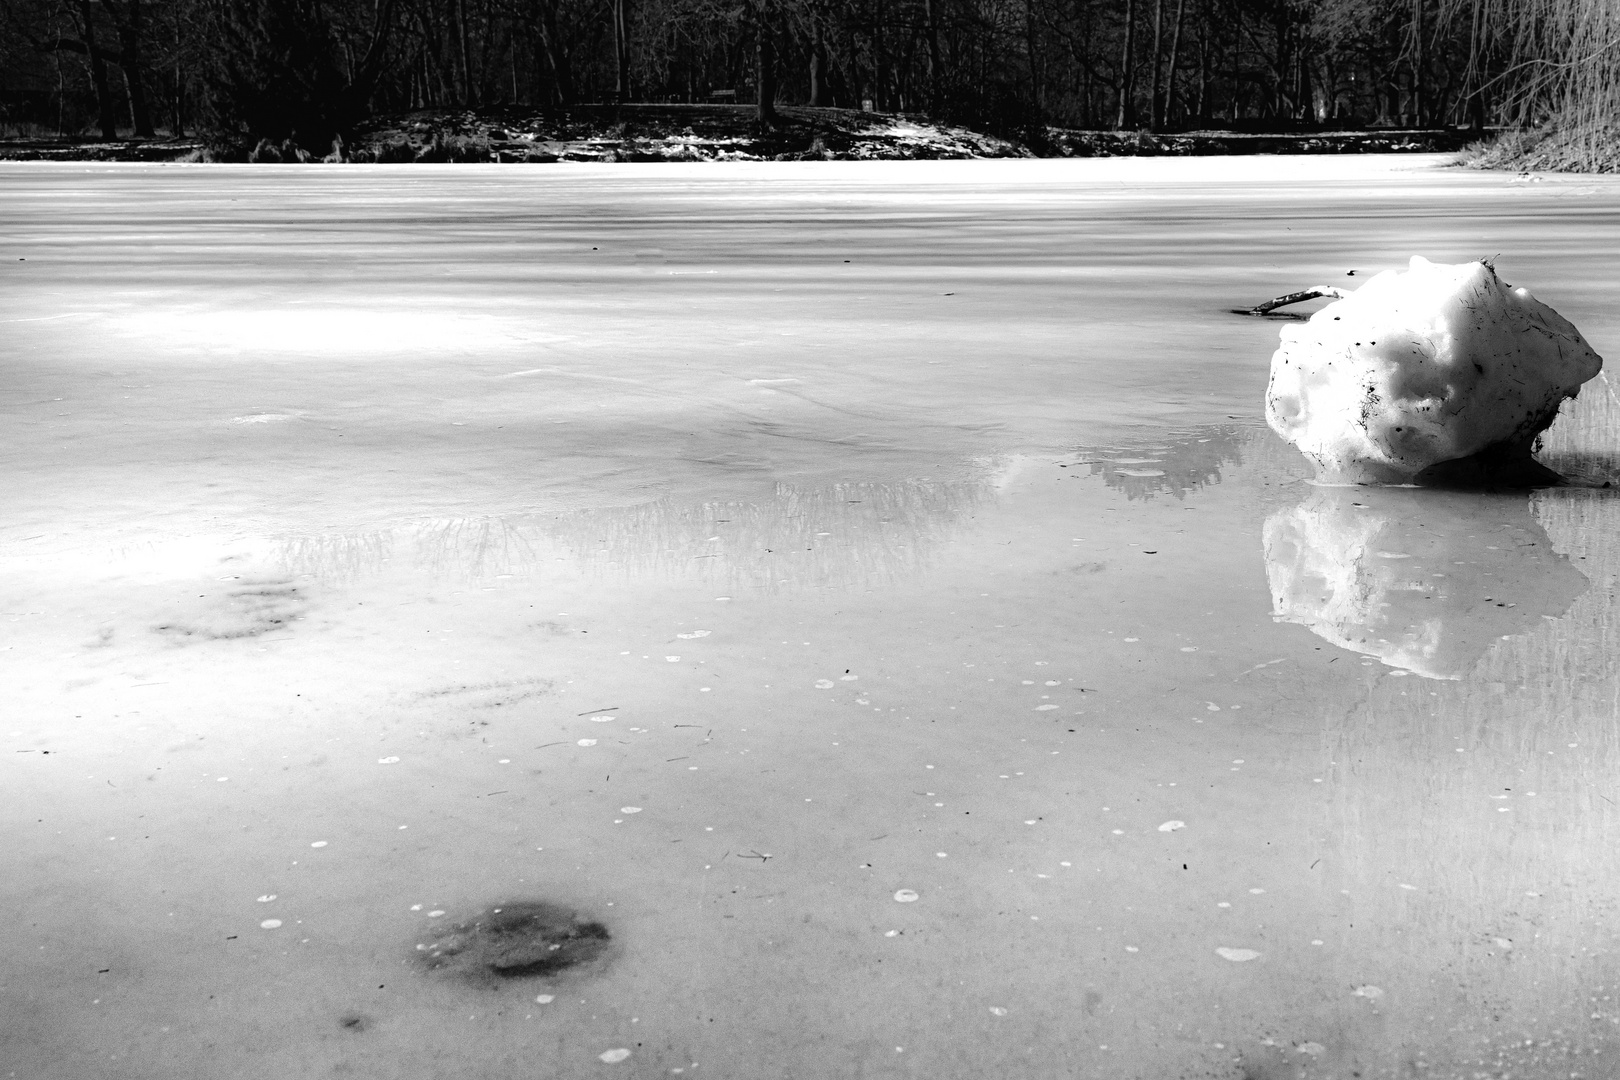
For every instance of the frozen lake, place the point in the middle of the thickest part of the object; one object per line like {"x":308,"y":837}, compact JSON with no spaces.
{"x":867,"y":594}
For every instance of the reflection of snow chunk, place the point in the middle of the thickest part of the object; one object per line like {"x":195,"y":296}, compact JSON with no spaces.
{"x":1435,"y":610}
{"x":1430,"y":364}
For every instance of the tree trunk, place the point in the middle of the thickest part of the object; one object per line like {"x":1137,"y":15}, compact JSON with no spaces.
{"x":1170,"y":70}
{"x":621,"y":52}
{"x":854,"y":83}
{"x":127,"y":24}
{"x":1031,"y":45}
{"x":1418,"y":101}
{"x":106,"y":115}
{"x":1155,"y":108}
{"x":139,"y":117}
{"x":562,"y":83}
{"x":1127,"y":72}
{"x":487,"y":44}
{"x":818,"y":68}
{"x":178,"y":124}
{"x":765,"y":72}
{"x":1203,"y":64}
{"x":936,"y":96}
{"x":1279,"y":67}
{"x":879,"y":57}
{"x":468,"y":96}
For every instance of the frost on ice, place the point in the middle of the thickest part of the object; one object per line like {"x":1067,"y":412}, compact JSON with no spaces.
{"x":1435,"y":364}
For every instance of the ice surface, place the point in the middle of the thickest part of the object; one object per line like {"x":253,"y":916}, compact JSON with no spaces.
{"x":1425,"y":581}
{"x":342,"y":505}
{"x":1431,"y":364}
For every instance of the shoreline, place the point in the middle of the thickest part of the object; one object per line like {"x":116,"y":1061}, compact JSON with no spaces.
{"x":669,"y":133}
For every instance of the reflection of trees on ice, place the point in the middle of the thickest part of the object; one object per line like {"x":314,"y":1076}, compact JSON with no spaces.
{"x":1468,"y":847}
{"x":836,"y":535}
{"x":1426,"y":581}
{"x":1183,"y":464}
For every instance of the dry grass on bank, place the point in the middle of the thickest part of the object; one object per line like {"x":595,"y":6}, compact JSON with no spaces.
{"x":1588,"y":148}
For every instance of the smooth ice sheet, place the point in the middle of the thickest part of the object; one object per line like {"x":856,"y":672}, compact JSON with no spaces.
{"x":925,"y":664}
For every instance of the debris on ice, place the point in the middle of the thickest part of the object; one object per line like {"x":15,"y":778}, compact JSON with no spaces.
{"x":1433,"y":365}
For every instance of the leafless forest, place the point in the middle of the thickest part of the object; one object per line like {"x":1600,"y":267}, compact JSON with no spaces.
{"x":309,"y":69}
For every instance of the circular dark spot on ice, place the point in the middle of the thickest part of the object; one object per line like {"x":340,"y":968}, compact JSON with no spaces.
{"x":517,"y":940}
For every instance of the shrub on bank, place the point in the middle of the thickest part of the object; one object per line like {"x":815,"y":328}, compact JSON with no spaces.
{"x":1581,"y":148}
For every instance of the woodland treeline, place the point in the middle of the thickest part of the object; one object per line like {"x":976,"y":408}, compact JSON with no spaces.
{"x":309,"y":69}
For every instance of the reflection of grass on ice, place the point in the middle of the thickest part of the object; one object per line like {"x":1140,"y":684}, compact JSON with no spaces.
{"x":1583,"y":444}
{"x":1507,"y":936}
{"x":836,"y":535}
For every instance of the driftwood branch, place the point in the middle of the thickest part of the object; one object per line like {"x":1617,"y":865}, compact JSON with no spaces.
{"x":1312,"y":293}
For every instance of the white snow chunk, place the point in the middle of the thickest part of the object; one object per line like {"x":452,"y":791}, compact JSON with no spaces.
{"x":1431,"y":364}
{"x":1237,"y":956}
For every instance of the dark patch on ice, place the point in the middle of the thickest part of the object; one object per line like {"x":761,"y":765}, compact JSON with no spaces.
{"x":491,"y":695}
{"x":356,"y":1022}
{"x":552,"y":627}
{"x":249,"y":608}
{"x":521,"y":940}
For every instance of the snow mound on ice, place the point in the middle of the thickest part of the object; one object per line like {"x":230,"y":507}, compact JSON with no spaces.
{"x":1423,"y":366}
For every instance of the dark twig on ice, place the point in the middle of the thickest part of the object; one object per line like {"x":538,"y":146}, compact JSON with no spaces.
{"x":1312,"y":293}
